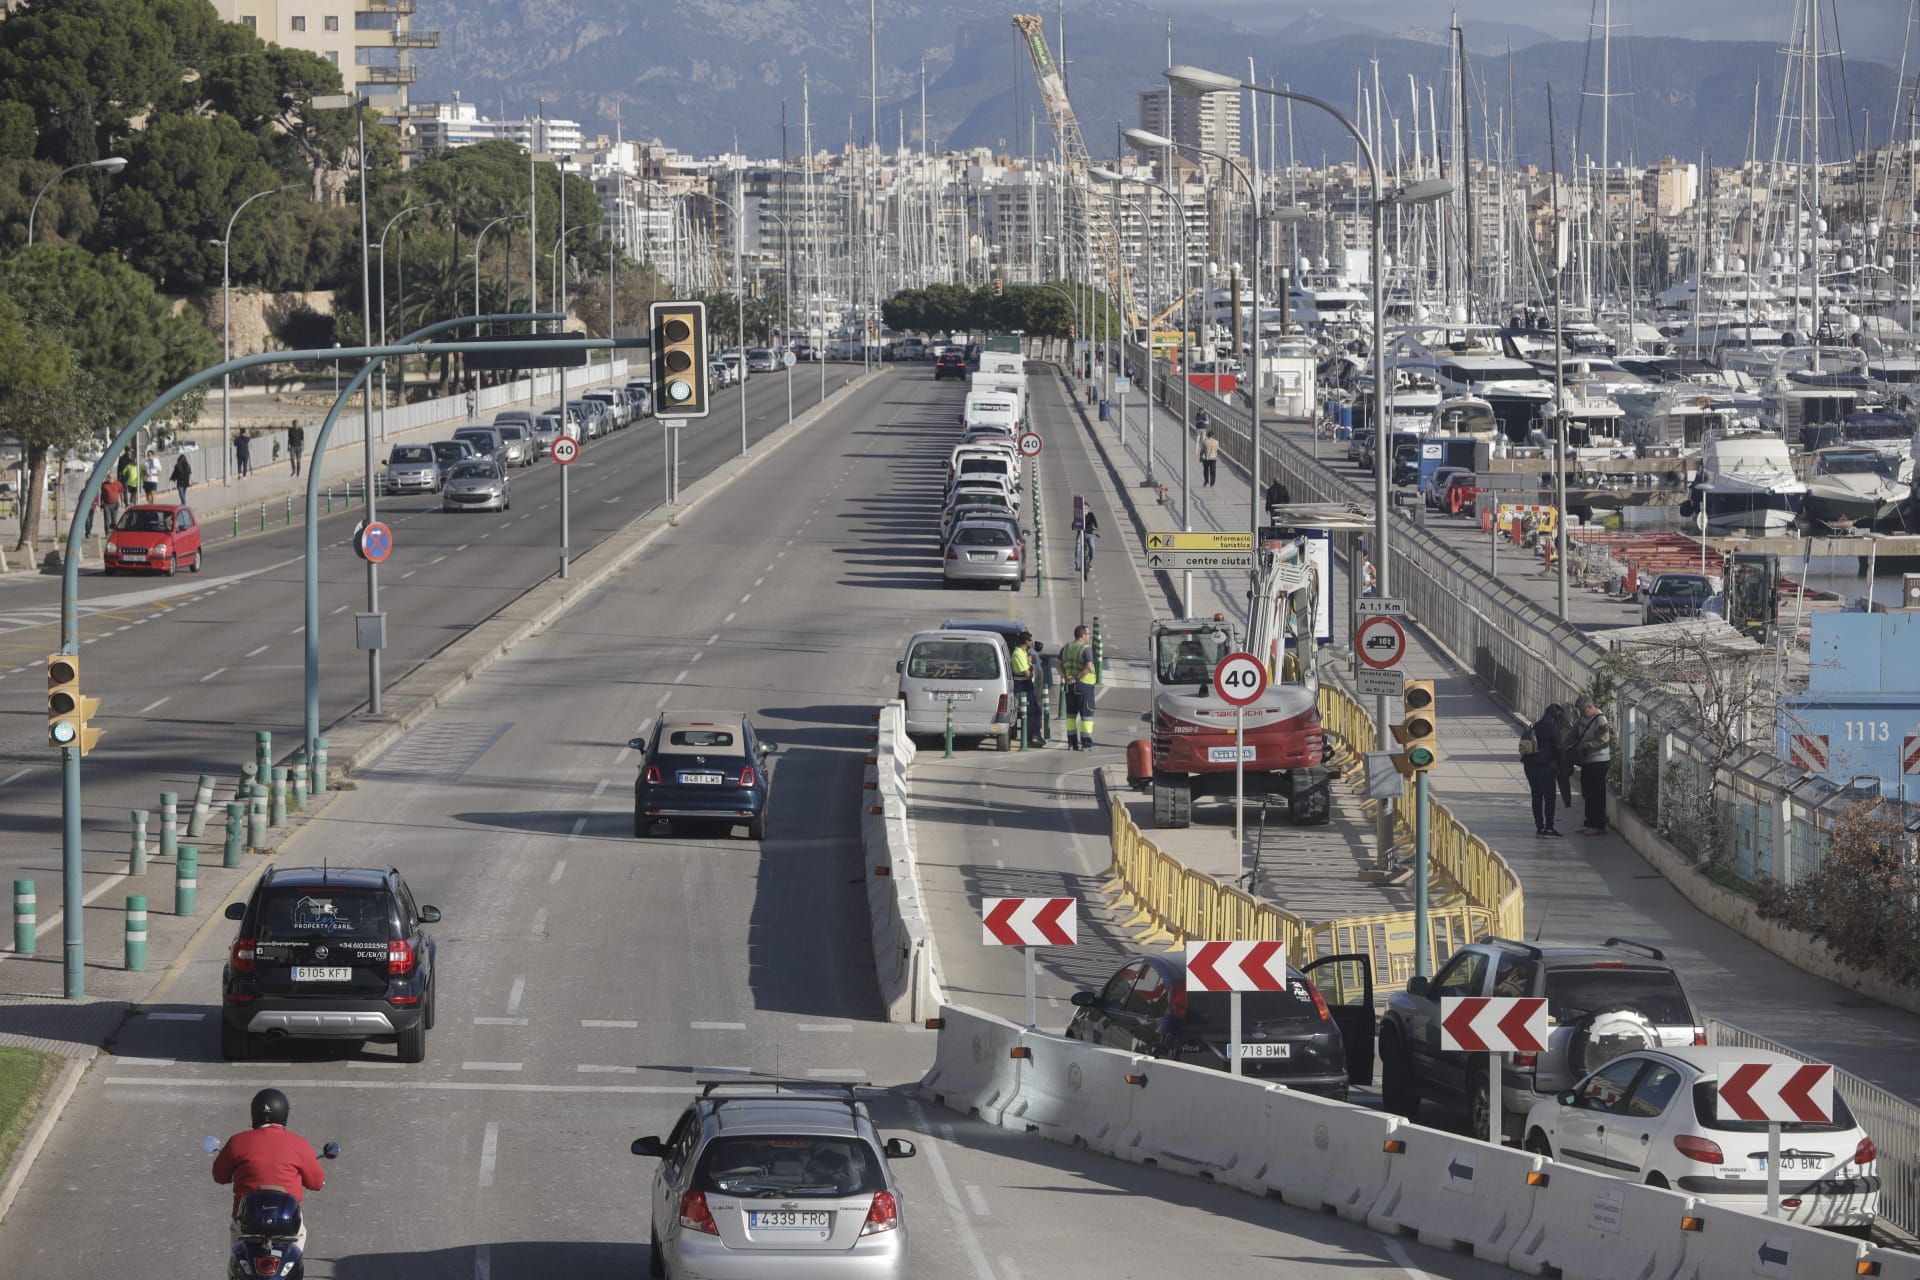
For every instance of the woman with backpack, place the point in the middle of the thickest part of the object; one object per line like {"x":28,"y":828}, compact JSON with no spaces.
{"x":1540,"y":749}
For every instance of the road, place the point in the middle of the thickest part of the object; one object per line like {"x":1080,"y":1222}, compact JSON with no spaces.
{"x":188,"y":668}
{"x":590,"y":978}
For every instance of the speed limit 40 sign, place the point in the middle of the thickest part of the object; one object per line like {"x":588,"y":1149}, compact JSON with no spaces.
{"x":565,"y":450}
{"x":1239,"y":679}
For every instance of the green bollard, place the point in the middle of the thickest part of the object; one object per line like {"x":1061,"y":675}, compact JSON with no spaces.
{"x":137,"y":855}
{"x":262,"y":755}
{"x":202,"y":806}
{"x":1099,"y":653}
{"x":236,"y":834}
{"x":319,"y":784}
{"x":186,"y":880}
{"x":136,"y":933}
{"x":248,"y":772}
{"x":949,"y":751}
{"x":289,"y":508}
{"x":277,"y":796}
{"x":257,"y":817}
{"x":298,"y":777}
{"x":236,"y":522}
{"x":169,"y":823}
{"x":1020,"y":725}
{"x":26,"y":917}
{"x":263,"y":517}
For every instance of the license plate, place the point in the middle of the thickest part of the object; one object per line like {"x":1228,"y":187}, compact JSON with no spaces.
{"x":985,"y":556}
{"x":702,"y":779}
{"x":1266,"y":1051}
{"x":1791,"y":1163}
{"x":956,"y":695}
{"x":789,"y":1220}
{"x":329,"y":973}
{"x":133,"y":555}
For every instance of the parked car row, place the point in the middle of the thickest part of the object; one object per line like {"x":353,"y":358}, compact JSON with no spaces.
{"x":982,"y":539}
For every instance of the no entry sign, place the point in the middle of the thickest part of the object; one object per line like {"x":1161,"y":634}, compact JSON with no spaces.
{"x":1381,"y":642}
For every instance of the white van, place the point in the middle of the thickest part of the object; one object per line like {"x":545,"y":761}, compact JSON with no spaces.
{"x":1008,"y":386}
{"x":1002,"y":362}
{"x":991,"y":407}
{"x":968,"y":670}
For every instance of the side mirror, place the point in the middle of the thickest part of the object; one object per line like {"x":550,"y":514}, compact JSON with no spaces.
{"x":648,"y":1147}
{"x":210,"y":1144}
{"x":1084,"y":1000}
{"x":901,"y":665}
{"x":429,"y":915}
{"x":1567,"y":1098}
{"x":636,"y":744}
{"x":769,"y":748}
{"x":330,"y":1152}
{"x":899,"y":1149}
{"x":236,"y":911}
{"x":1418,"y":985}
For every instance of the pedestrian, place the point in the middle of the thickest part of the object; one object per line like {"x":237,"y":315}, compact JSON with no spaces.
{"x":473,"y":402}
{"x":112,"y":493}
{"x":1277,"y":495}
{"x":1025,"y":688}
{"x":296,"y":444}
{"x":182,"y":476}
{"x":150,"y":475}
{"x":1209,"y":457}
{"x":1590,"y":745}
{"x":1540,"y":750}
{"x":92,"y":509}
{"x":1076,"y":670}
{"x":242,"y":452}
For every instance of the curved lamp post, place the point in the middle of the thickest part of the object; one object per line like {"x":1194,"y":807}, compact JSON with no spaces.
{"x":226,"y":320}
{"x":112,"y":164}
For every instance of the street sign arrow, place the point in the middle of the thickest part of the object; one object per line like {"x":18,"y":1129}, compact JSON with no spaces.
{"x":1773,"y":1256}
{"x":1029,"y":922}
{"x":1494,"y":1024}
{"x":1237,"y":966}
{"x":1779,"y":1093}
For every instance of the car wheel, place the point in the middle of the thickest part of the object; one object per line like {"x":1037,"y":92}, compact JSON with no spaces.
{"x":1538,"y":1145}
{"x":173,"y":566}
{"x":429,"y":1014}
{"x":656,"y":1261}
{"x":757,"y":829}
{"x":1003,"y":739}
{"x":236,"y":1045}
{"x":413,"y":1043}
{"x":1399,"y":1091}
{"x":196,"y":560}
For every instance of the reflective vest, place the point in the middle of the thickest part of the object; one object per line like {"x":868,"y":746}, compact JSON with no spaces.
{"x":1022,"y":664}
{"x":1076,"y":661}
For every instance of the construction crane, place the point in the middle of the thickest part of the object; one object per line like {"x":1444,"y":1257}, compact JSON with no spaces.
{"x":1074,"y":157}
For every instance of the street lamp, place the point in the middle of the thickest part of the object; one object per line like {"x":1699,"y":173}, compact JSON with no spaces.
{"x":226,"y":322}
{"x":380,"y":247}
{"x":112,"y":164}
{"x":740,"y":304}
{"x":1146,"y":224}
{"x":479,"y":242}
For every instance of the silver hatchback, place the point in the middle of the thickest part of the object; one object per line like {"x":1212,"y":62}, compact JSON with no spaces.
{"x":477,"y":485}
{"x":776,"y":1180}
{"x":985,"y":552}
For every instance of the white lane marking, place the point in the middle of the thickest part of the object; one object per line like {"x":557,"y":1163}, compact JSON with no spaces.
{"x":408,"y":574}
{"x":962,"y":1225}
{"x":837,"y":1073}
{"x":489,"y":1151}
{"x":176,"y":1017}
{"x":483,"y":1262}
{"x":21,"y":773}
{"x":499,"y":1022}
{"x":303,"y":626}
{"x":682,"y":676}
{"x":663,"y":700}
{"x":1406,"y":1263}
{"x":118,"y":630}
{"x":627,"y":1024}
{"x":599,"y":788}
{"x":579,"y":825}
{"x":826,"y":1026}
{"x":513,"y":996}
{"x":996,"y":841}
{"x":463,"y":546}
{"x":715,"y":636}
{"x":144,"y":1062}
{"x":586,"y":1068}
{"x":746,"y":597}
{"x":254,"y":653}
{"x":383,"y":1066}
{"x":718,"y":1026}
{"x":559,"y":869}
{"x":624,"y":753}
{"x":730,"y":617}
{"x":979,"y":1202}
{"x":489,"y":1066}
{"x":789,"y":541}
{"x":1008,"y":1267}
{"x":217,"y":671}
{"x":759,"y":580}
{"x":435,"y":560}
{"x":342,"y":609}
{"x":539,"y":927}
{"x":698,"y":654}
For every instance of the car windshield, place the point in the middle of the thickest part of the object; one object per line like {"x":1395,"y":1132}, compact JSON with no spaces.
{"x":1682,"y":587}
{"x":992,"y":466}
{"x":510,"y":431}
{"x":452,"y":450}
{"x":410,"y":453}
{"x":1189,"y":656}
{"x":953,"y":660}
{"x":757,"y":1166}
{"x":980,"y":535}
{"x":294,"y":914}
{"x":140,"y":520}
{"x":472,"y":471}
{"x":1655,"y":993}
{"x":480,"y":444}
{"x":1210,"y":1013}
{"x":1706,"y":1109}
{"x":700,"y":738}
{"x":548,"y":424}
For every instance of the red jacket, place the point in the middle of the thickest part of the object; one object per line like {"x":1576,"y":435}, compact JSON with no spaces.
{"x":269,"y":1156}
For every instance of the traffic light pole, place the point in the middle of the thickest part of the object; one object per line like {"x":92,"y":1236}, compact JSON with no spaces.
{"x":1422,"y":930}
{"x":72,"y":892}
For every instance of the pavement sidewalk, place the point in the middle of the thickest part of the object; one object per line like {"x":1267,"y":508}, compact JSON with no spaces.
{"x":1577,"y":888}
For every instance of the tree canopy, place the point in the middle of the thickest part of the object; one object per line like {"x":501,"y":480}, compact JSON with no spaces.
{"x":1041,"y":311}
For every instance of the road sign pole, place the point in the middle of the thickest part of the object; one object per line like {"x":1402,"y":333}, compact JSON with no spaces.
{"x":565,"y":512}
{"x":1233,"y":1033}
{"x":1773,"y":1168}
{"x":1240,"y":796}
{"x":1033,"y":984}
{"x":1422,"y":958}
{"x":1493,"y":1098}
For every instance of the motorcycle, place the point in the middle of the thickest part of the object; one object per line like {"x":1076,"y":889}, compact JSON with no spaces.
{"x":269,"y":1230}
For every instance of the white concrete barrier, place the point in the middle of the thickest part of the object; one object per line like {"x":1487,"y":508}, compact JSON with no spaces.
{"x":973,"y":1070}
{"x":906,"y":963}
{"x":1588,"y":1226}
{"x":1735,"y":1245}
{"x":1895,"y":1264}
{"x":1329,"y":1155}
{"x":1075,"y":1093}
{"x":1197,"y":1121}
{"x":1455,"y":1193}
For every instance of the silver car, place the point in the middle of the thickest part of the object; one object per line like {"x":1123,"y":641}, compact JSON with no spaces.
{"x":412,"y":468}
{"x":983,"y":551}
{"x":479,"y":485}
{"x":776,"y":1180}
{"x":519,"y":442}
{"x":597,"y":416}
{"x":546,"y":429}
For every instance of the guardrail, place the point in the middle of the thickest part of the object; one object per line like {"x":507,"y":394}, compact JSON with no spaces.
{"x":1894,"y":1125}
{"x":906,"y":962}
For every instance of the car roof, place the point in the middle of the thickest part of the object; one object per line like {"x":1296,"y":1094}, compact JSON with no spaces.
{"x":784,"y":1113}
{"x":1636,"y":955}
{"x":701,"y":719}
{"x":999,"y":626}
{"x":328,"y":877}
{"x":1707,"y":1059}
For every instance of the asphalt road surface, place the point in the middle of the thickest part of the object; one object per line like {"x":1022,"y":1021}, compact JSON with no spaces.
{"x":591,"y":978}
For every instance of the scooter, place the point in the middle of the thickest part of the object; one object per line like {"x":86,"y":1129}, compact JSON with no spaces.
{"x":269,"y":1230}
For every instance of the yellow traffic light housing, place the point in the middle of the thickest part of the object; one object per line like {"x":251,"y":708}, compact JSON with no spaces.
{"x":68,"y":710}
{"x":1419,"y":729}
{"x":679,"y":359}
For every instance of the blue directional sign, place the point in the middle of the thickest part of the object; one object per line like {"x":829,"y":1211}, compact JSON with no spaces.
{"x":373,"y":541}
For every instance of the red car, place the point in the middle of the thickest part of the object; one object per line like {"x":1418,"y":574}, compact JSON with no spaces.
{"x":157,"y":536}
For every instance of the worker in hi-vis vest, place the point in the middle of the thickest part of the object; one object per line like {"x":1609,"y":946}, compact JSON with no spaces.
{"x":1076,"y":670}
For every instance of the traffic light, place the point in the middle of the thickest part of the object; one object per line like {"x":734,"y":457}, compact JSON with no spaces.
{"x":999,"y":287}
{"x":68,"y":710}
{"x":679,"y":359}
{"x":1419,"y":729}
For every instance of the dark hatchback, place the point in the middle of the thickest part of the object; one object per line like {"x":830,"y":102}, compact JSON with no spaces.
{"x":701,"y":765}
{"x":951,"y":364}
{"x":1673,"y":596}
{"x":329,"y":953}
{"x":1294,"y":1037}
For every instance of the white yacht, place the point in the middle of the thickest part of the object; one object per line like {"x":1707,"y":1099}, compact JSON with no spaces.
{"x":1854,"y":487}
{"x":1746,"y":484}
{"x":1465,"y":361}
{"x":1324,"y":300}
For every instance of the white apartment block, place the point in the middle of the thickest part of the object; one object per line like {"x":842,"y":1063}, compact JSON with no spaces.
{"x":371,"y":41}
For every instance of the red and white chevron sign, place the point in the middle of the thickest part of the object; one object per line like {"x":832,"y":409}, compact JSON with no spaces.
{"x":1807,"y":751}
{"x":1029,"y":922}
{"x":1494,"y":1024}
{"x":1910,"y":754}
{"x":1781,"y":1092}
{"x":1236,"y":966}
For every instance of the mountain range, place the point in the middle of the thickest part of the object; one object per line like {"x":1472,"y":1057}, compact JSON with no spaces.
{"x":698,"y":73}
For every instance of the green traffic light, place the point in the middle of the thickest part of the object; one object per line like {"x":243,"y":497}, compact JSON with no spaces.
{"x":1419,"y":757}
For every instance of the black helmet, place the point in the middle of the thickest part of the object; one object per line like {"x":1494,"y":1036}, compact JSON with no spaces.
{"x":269,"y":1106}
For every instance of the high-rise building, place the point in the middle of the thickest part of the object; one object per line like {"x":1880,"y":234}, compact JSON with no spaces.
{"x":371,"y":41}
{"x":1210,"y":122}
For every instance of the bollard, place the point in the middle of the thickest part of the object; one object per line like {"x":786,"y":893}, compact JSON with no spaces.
{"x":236,"y":522}
{"x":202,"y":806}
{"x":1099,"y":653}
{"x":262,"y":756}
{"x":186,"y":880}
{"x":137,"y":855}
{"x":277,"y":798}
{"x":949,"y":750}
{"x":257,"y":817}
{"x":169,"y":823}
{"x":26,"y":917}
{"x":298,"y":777}
{"x":248,"y":772}
{"x":1020,"y":723}
{"x":289,"y":508}
{"x":319,"y":784}
{"x":136,"y":933}
{"x":236,"y":834}
{"x":329,"y":499}
{"x":263,"y":517}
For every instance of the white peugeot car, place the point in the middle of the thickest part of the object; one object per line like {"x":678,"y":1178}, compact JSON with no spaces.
{"x":1653,"y":1115}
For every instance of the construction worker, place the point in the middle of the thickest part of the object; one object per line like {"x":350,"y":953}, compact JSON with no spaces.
{"x":1076,"y":670}
{"x":1026,"y":688}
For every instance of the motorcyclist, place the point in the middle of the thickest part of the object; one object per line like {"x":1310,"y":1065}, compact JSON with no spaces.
{"x":268,"y":1157}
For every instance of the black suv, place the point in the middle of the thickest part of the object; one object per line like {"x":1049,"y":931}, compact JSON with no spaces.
{"x":329,"y":952}
{"x":951,"y":364}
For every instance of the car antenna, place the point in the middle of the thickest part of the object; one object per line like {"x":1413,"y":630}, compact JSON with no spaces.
{"x":1542,"y":926}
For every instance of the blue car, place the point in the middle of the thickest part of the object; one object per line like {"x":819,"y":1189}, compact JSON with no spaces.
{"x":701,"y":766}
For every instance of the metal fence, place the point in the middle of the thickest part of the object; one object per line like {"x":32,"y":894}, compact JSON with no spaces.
{"x":1893,"y":1125}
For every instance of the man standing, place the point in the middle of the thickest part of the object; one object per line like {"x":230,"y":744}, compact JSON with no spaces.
{"x":242,"y":452}
{"x":112,"y":491}
{"x":1076,"y":670}
{"x":1026,"y":687}
{"x":130,"y":475}
{"x":150,"y":475}
{"x":1209,"y":457}
{"x":296,"y":444}
{"x":1590,"y":746}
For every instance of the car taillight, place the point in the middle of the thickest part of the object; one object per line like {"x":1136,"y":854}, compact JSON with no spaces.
{"x":1700,"y":1037}
{"x":399,"y":957}
{"x":1526,"y":1061}
{"x":694,"y":1214}
{"x":1014,"y":555}
{"x":748,"y":777}
{"x":1000,"y":708}
{"x":883,"y":1216}
{"x":652,"y":775}
{"x":241,"y":957}
{"x":1319,"y":1003}
{"x":952,"y":554}
{"x":1866,"y":1152}
{"x":1704,"y":1150}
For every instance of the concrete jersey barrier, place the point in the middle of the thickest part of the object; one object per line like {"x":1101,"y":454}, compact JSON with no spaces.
{"x":906,"y":962}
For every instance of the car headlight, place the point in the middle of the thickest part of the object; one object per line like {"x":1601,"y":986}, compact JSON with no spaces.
{"x":163,"y":548}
